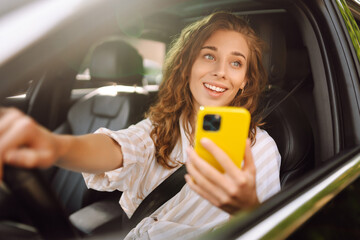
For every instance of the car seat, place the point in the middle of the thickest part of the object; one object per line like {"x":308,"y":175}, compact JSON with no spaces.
{"x":114,"y":61}
{"x":287,"y":124}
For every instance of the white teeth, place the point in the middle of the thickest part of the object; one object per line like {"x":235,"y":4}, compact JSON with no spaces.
{"x":214,"y":88}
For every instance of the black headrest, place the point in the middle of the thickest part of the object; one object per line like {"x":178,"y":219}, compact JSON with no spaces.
{"x":117,"y":61}
{"x":274,"y":57}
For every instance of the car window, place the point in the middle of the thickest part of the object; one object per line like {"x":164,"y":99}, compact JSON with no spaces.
{"x":9,"y":6}
{"x":153,"y":54}
{"x":352,"y":25}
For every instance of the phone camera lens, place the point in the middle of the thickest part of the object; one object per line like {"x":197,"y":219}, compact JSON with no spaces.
{"x":211,"y":122}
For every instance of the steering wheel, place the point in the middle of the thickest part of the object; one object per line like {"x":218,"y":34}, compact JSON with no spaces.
{"x":40,"y":203}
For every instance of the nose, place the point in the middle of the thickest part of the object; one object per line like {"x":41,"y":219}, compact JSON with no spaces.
{"x":220,"y":69}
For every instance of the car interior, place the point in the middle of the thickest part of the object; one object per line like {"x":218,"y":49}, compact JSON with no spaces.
{"x":286,"y":123}
{"x":288,"y":104}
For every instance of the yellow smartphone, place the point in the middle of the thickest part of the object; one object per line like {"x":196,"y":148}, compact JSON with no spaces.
{"x":227,"y":127}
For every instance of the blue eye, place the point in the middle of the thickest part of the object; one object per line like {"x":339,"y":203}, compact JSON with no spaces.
{"x":209,"y":57}
{"x":236,"y":64}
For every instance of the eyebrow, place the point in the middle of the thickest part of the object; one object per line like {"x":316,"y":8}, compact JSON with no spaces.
{"x":235,"y":53}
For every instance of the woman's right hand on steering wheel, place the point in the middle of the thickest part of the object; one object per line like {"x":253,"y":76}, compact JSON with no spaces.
{"x":23,"y":142}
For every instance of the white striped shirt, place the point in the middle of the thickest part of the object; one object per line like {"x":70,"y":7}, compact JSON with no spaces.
{"x":186,"y":215}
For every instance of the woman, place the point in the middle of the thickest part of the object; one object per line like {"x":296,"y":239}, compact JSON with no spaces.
{"x":215,"y":61}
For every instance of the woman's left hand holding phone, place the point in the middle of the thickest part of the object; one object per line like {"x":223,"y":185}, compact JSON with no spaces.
{"x":231,"y":191}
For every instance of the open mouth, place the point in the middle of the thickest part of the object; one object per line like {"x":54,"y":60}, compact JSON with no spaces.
{"x":214,"y":88}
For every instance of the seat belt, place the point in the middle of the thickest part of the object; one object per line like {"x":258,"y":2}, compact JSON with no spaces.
{"x":269,"y":109}
{"x":110,"y":212}
{"x":161,"y":194}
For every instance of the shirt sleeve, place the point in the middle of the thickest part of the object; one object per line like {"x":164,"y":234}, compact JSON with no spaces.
{"x":267,"y":161}
{"x":138,"y":150}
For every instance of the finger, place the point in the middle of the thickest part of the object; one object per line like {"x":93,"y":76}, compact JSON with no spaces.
{"x":16,"y":136}
{"x":220,"y":189}
{"x":226,"y":183}
{"x":225,"y":203}
{"x":224,"y":160}
{"x":200,"y":191}
{"x":235,"y":179}
{"x":249,"y":164}
{"x":203,"y":167}
{"x":7,"y":118}
{"x":28,"y":158}
{"x":201,"y":176}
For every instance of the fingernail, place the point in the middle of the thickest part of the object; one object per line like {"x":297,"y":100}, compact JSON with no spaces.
{"x":204,"y":140}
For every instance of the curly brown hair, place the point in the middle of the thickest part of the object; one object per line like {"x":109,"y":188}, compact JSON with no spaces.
{"x":175,"y":99}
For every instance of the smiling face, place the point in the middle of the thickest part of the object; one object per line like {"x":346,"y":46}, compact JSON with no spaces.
{"x":219,"y":69}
